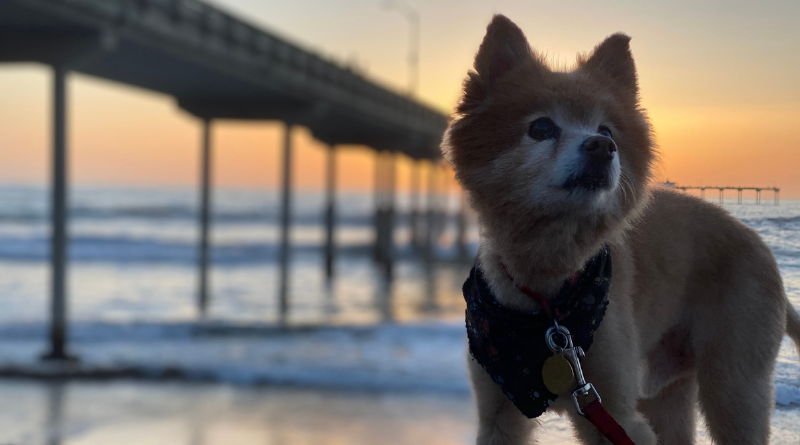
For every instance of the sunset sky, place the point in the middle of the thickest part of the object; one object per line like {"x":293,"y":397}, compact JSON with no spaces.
{"x":720,"y":80}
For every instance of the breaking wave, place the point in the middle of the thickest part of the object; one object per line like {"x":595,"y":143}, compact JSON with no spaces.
{"x":135,"y":250}
{"x":427,"y":357}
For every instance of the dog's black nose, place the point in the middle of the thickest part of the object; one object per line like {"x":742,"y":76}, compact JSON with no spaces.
{"x":600,"y":148}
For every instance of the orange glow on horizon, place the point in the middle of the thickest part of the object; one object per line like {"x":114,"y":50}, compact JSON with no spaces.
{"x":721,"y":91}
{"x":729,"y":147}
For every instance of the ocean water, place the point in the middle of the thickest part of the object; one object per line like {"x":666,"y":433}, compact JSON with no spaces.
{"x":133,"y":256}
{"x":132,"y":283}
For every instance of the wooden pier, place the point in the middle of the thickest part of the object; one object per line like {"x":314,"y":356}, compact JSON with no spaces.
{"x":776,"y":191}
{"x":217,"y":66}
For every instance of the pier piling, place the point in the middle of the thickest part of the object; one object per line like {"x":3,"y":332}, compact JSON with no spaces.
{"x":431,"y":207}
{"x":462,"y":229}
{"x":389,"y":215}
{"x":59,"y":210}
{"x":330,"y":212}
{"x":385,"y":175}
{"x":205,"y":214}
{"x":378,"y":186}
{"x":379,"y":181}
{"x":286,"y":208}
{"x":413,"y":218}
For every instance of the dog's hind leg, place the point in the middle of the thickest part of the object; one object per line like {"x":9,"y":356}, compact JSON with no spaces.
{"x":735,"y":352}
{"x":671,"y":413}
{"x":737,"y":403}
{"x":500,"y":422}
{"x":736,"y":393}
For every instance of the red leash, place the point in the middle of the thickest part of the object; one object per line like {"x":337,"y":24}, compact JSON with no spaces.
{"x":594,"y":411}
{"x":608,"y":427}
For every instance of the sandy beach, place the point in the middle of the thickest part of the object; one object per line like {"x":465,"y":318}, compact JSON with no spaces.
{"x":133,"y":413}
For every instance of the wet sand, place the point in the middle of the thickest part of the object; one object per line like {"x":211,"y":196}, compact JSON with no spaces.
{"x":128,"y":413}
{"x":132,"y":413}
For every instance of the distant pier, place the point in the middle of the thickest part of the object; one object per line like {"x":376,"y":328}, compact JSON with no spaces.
{"x":776,"y":191}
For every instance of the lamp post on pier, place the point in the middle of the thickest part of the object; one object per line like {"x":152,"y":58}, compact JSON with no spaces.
{"x":412,"y":16}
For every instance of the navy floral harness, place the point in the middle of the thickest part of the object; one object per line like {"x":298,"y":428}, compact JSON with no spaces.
{"x":510,"y":345}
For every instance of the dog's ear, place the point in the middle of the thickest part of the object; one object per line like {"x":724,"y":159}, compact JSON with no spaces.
{"x":504,"y":48}
{"x":613,"y":59}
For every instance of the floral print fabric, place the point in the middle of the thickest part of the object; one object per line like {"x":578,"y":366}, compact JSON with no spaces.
{"x":510,"y":345}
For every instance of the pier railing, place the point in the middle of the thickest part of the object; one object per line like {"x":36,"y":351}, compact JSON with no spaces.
{"x":776,"y":192}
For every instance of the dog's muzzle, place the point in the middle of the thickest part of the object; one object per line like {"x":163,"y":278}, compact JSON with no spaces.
{"x":598,"y":154}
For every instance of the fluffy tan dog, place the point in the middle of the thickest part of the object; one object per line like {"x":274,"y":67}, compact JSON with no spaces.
{"x":557,"y":164}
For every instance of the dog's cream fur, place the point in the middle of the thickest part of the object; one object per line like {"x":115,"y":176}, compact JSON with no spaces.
{"x":697,"y":308}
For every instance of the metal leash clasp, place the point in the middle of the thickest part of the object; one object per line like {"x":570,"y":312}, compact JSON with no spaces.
{"x":557,"y":336}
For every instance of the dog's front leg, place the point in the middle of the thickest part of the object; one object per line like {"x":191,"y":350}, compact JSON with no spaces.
{"x":500,"y":422}
{"x":612,"y":366}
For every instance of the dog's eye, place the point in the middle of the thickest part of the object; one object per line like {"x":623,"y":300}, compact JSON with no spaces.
{"x":604,"y":131}
{"x":543,"y":128}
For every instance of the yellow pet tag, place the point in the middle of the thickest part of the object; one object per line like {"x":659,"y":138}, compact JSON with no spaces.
{"x":557,"y":374}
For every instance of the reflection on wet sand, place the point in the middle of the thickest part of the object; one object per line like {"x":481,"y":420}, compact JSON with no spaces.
{"x":127,"y":413}
{"x":137,"y":413}
{"x":55,"y":410}
{"x":383,"y":300}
